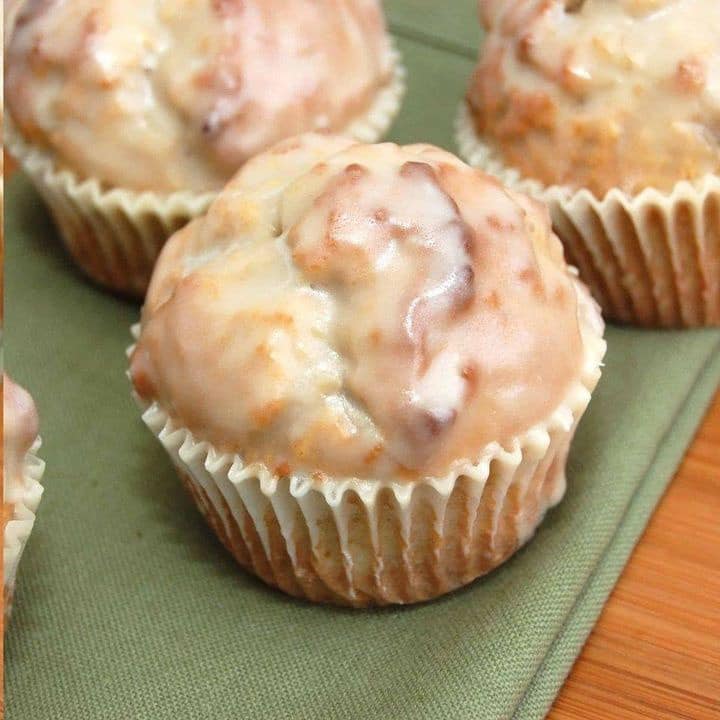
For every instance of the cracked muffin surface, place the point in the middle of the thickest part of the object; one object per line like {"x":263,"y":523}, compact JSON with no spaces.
{"x":368,"y":311}
{"x":176,"y":94}
{"x":601,"y":93}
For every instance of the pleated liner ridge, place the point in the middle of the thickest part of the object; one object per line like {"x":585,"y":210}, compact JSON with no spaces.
{"x":18,"y":528}
{"x":115,"y":235}
{"x":375,"y":542}
{"x":651,"y":259}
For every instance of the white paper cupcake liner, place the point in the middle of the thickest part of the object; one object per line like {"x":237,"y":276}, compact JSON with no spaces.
{"x":376,"y":542}
{"x":115,"y":235}
{"x":25,"y":501}
{"x":651,"y":259}
{"x":377,"y":120}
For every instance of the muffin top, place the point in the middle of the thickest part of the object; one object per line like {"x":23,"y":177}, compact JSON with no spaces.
{"x":176,"y":94}
{"x":366,"y":311}
{"x":601,"y":93}
{"x":20,"y":428}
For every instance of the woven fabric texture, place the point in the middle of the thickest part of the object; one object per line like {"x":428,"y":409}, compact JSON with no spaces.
{"x":127,"y":607}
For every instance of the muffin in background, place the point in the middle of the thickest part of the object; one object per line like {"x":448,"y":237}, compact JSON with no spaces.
{"x":22,"y":472}
{"x":130,"y":116}
{"x":610,"y":112}
{"x":367,"y":363}
{"x":10,"y":11}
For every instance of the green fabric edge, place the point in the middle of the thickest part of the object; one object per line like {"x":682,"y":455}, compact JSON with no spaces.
{"x":555,"y":667}
{"x":438,"y":42}
{"x":453,"y":26}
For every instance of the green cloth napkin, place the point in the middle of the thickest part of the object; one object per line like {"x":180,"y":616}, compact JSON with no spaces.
{"x":128,"y":608}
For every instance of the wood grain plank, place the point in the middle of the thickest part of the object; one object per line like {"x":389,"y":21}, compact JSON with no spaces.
{"x":655,"y":651}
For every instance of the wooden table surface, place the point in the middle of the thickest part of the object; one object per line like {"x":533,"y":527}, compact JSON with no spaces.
{"x":655,"y":651}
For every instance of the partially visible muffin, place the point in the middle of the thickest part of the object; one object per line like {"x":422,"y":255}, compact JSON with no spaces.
{"x":602,"y":93}
{"x":10,"y":11}
{"x":609,"y":111}
{"x":22,"y":472}
{"x":367,"y":362}
{"x":176,"y":95}
{"x":171,"y":97}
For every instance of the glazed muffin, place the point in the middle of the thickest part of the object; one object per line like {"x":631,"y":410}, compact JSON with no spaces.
{"x":10,"y":11}
{"x":130,"y":115}
{"x":610,"y":111}
{"x":22,"y":472}
{"x":367,"y":363}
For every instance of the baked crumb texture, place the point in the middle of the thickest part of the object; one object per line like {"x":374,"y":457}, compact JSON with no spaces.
{"x":129,"y":117}
{"x":367,"y":362}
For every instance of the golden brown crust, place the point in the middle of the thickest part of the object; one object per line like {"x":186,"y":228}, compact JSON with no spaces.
{"x":172,"y":95}
{"x":601,"y":95}
{"x":360,"y":543}
{"x":653,"y":261}
{"x":477,"y":535}
{"x":378,"y":317}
